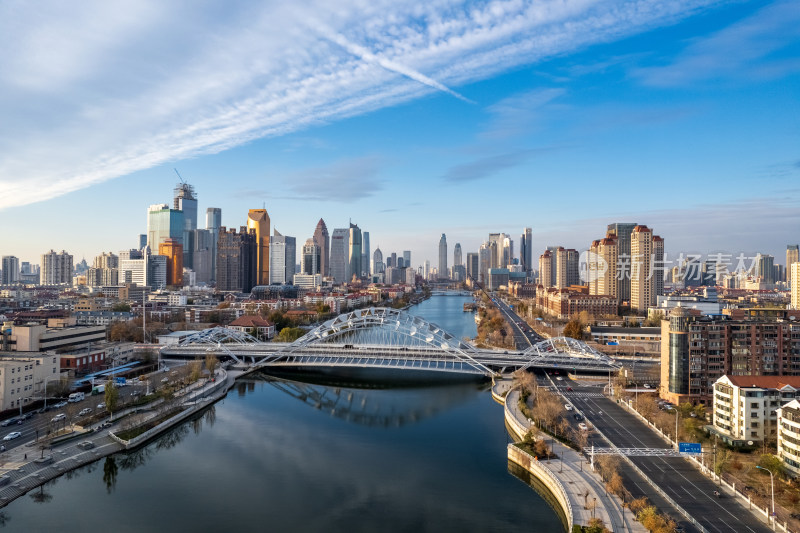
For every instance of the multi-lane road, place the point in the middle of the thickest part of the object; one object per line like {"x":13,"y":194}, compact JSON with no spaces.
{"x":524,"y":336}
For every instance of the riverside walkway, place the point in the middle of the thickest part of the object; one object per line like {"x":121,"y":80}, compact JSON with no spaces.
{"x":583,"y":488}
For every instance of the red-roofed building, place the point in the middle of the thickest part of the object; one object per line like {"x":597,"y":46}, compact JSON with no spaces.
{"x":254,"y":325}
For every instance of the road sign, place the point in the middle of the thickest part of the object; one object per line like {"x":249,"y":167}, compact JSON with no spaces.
{"x":689,"y":447}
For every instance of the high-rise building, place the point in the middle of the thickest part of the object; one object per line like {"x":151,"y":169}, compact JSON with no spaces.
{"x":365,"y":270}
{"x":457,"y":256}
{"x":56,"y":268}
{"x":602,"y":275}
{"x":237,"y":258}
{"x":765,"y":268}
{"x":506,"y":257}
{"x":407,"y":258}
{"x":473,"y":266}
{"x":443,"y":257}
{"x":546,"y":269}
{"x":339,"y":258}
{"x":377,"y":261}
{"x":10,"y":270}
{"x":142,"y":268}
{"x":142,"y":240}
{"x":647,"y":260}
{"x":282,"y":257}
{"x":173,"y":251}
{"x":566,"y":267}
{"x":484,"y":262}
{"x":323,"y":240}
{"x":184,"y":199}
{"x":163,"y":223}
{"x":310,"y":260}
{"x":623,"y":230}
{"x":258,"y":219}
{"x":391,"y":261}
{"x":426,"y":269}
{"x":792,"y":256}
{"x":104,"y":270}
{"x":354,"y":251}
{"x":795,"y":275}
{"x":203,"y":258}
{"x":213,"y":223}
{"x":526,"y":251}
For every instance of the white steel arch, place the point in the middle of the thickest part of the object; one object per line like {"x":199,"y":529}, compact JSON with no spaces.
{"x":567,"y":352}
{"x":220,"y":339}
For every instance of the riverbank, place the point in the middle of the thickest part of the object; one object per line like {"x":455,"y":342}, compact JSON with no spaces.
{"x":579,"y":491}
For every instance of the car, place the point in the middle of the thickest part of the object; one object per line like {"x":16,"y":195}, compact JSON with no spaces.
{"x":583,"y":427}
{"x":8,"y":422}
{"x":59,"y":405}
{"x":693,"y":414}
{"x":568,"y":407}
{"x":59,"y":417}
{"x":569,"y":389}
{"x":165,"y":380}
{"x":646,"y":385}
{"x":85,"y":411}
{"x":29,"y":414}
{"x":559,"y":378}
{"x":578,"y":417}
{"x":101,"y":405}
{"x":13,"y":435}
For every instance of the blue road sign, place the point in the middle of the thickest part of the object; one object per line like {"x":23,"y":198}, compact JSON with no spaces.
{"x":689,"y":447}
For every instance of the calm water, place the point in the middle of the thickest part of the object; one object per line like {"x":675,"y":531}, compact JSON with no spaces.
{"x":288,"y":456}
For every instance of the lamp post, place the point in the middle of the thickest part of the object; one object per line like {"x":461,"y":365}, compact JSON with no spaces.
{"x":772,"y":488}
{"x":677,"y":414}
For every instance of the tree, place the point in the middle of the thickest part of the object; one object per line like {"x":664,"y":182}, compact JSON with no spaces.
{"x":121,"y":307}
{"x":574,"y":329}
{"x":195,"y":370}
{"x":772,"y":463}
{"x":112,"y":398}
{"x":211,"y":363}
{"x":290,"y":334}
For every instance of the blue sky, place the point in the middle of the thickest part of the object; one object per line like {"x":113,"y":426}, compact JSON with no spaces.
{"x":412,"y":119}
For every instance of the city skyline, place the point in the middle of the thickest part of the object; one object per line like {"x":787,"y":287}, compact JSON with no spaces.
{"x":641,"y":120}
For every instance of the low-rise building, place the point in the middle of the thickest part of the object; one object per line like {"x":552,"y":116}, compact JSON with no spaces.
{"x":24,"y":376}
{"x":254,"y":325}
{"x":564,"y":303}
{"x":745,"y":407}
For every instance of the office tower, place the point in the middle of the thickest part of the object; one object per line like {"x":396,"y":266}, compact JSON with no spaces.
{"x":156,"y":271}
{"x":546,"y":268}
{"x":10,"y":270}
{"x":184,"y":199}
{"x":647,"y":255}
{"x":410,"y":277}
{"x":392,"y":260}
{"x":56,"y":268}
{"x":457,"y":257}
{"x":282,"y":257}
{"x":426,"y":272}
{"x":377,"y":261}
{"x":173,"y":251}
{"x":792,"y":256}
{"x":443,"y":257}
{"x":484,"y":262}
{"x":213,"y":222}
{"x":142,"y":240}
{"x":795,"y":275}
{"x":507,"y":253}
{"x":407,"y":258}
{"x":765,"y":268}
{"x":354,"y":251}
{"x":258,"y":219}
{"x":365,"y":270}
{"x":473,"y":266}
{"x":202,"y":259}
{"x":237,"y":257}
{"x":623,"y":230}
{"x":526,"y":251}
{"x":323,"y":240}
{"x":163,"y":223}
{"x":339,"y":259}
{"x":310,"y":260}
{"x":400,"y":263}
{"x":602,"y":276}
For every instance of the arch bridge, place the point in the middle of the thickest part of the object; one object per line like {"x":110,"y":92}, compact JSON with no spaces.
{"x":381,"y":337}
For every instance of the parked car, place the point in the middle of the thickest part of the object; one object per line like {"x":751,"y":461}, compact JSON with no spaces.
{"x":58,"y":417}
{"x":568,"y":407}
{"x":583,"y":427}
{"x":646,"y":385}
{"x":578,"y":417}
{"x":101,"y":405}
{"x":85,"y":411}
{"x":559,"y":378}
{"x":59,"y":405}
{"x":13,"y":435}
{"x":8,"y":422}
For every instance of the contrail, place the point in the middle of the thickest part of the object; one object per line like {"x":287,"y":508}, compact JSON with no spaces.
{"x":366,"y":55}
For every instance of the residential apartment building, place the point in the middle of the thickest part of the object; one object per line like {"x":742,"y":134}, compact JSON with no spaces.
{"x":697,"y":350}
{"x":789,"y":436}
{"x":647,"y":261}
{"x":24,"y":376}
{"x":745,"y":407}
{"x":564,"y":303}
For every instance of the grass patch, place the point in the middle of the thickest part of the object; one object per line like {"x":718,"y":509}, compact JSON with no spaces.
{"x":132,"y":433}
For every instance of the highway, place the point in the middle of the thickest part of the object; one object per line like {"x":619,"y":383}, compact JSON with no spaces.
{"x":676,"y":476}
{"x":524,"y":336}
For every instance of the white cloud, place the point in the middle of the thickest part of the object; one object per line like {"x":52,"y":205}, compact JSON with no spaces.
{"x":90,"y":91}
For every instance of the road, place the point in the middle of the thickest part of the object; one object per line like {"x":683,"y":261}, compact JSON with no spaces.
{"x":524,"y":336}
{"x":676,"y":476}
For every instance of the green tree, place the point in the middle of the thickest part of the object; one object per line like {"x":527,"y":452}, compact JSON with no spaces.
{"x":772,"y":463}
{"x":289,"y":334}
{"x":121,"y":307}
{"x":112,"y":398}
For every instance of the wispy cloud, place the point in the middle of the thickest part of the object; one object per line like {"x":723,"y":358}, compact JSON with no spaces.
{"x":757,"y":47}
{"x":520,"y":113}
{"x":91,"y":91}
{"x":489,"y":166}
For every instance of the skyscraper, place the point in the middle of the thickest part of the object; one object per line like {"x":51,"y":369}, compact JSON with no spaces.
{"x":10,"y":270}
{"x":647,"y":257}
{"x":473,"y":266}
{"x":163,"y":223}
{"x":202,"y":259}
{"x":443,"y":257}
{"x":623,"y":230}
{"x":795,"y":292}
{"x":340,"y":263}
{"x":322,"y":239}
{"x":184,"y":199}
{"x":365,"y":270}
{"x":765,"y":268}
{"x":237,"y":259}
{"x":407,"y":258}
{"x":457,"y":258}
{"x":526,"y":251}
{"x":546,"y":264}
{"x":213,"y":222}
{"x":173,"y":251}
{"x":258,"y":219}
{"x":354,"y":251}
{"x":602,"y":275}
{"x":484,"y":262}
{"x":282,"y":257}
{"x":566,"y":267}
{"x":377,"y":262}
{"x":792,"y":256}
{"x":310,"y":260}
{"x":56,"y":268}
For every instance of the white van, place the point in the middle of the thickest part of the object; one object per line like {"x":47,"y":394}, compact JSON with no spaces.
{"x":76,"y":397}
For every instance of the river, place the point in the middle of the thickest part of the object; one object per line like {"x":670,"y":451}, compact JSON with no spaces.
{"x":288,"y":456}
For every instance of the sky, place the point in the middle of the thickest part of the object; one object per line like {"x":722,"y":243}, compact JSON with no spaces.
{"x":411,"y":119}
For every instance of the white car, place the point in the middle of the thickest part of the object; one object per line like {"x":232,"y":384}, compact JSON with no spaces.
{"x":568,"y":407}
{"x":13,"y":435}
{"x":101,"y":405}
{"x":559,"y":378}
{"x":85,"y":411}
{"x":646,"y":385}
{"x":583,"y":427}
{"x":58,"y":418}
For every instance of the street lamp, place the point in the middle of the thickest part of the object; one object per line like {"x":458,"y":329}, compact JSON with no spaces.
{"x":677,"y":414}
{"x":772,"y":487}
